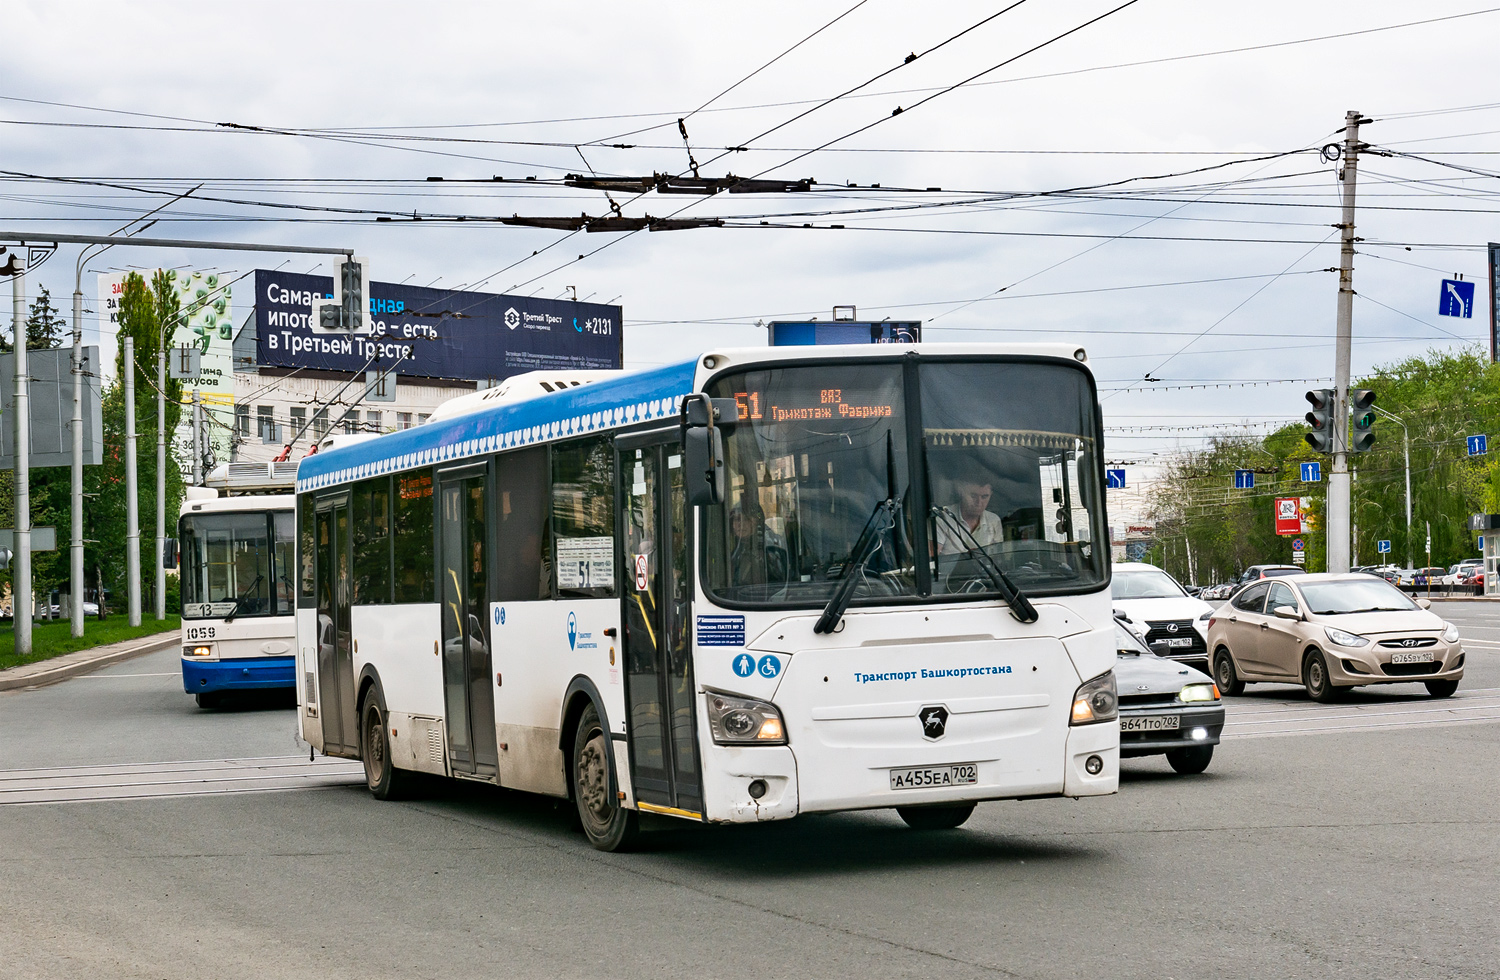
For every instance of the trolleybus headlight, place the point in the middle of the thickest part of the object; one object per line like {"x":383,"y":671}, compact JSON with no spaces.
{"x":1096,"y":700}
{"x":744,"y":721}
{"x":198,"y":651}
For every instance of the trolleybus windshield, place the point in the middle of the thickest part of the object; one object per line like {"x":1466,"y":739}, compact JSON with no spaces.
{"x":236,"y":563}
{"x":1006,"y":462}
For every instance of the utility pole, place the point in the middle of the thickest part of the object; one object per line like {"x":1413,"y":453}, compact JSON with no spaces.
{"x":197,"y":441}
{"x":75,"y":546}
{"x":1406,"y":449}
{"x":161,"y":481}
{"x":132,"y":509}
{"x":1338,"y":477}
{"x":20,"y":593}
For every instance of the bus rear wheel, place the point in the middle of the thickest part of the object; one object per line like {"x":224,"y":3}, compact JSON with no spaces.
{"x":935,"y":817}
{"x":208,"y":699}
{"x":385,"y":781}
{"x":607,"y":824}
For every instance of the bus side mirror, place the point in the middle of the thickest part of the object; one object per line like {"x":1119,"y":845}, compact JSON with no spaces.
{"x":703,"y":457}
{"x":169,"y":553}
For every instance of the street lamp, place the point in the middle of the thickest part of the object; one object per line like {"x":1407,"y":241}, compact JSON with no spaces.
{"x":1406,"y":448}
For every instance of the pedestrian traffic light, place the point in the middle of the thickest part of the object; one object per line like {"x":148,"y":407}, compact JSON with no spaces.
{"x":1321,"y":419}
{"x":1362,"y":405}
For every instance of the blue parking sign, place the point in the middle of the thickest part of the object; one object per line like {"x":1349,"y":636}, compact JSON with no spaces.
{"x":1244,"y":479}
{"x":1456,"y":298}
{"x":1114,"y":479}
{"x":1383,"y":547}
{"x":1312,"y":472}
{"x":1478,"y":445}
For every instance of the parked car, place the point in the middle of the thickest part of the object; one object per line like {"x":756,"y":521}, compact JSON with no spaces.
{"x":1471,"y":576}
{"x":1217,"y":592}
{"x":1330,"y":633}
{"x":1456,"y":572}
{"x":1166,"y":708}
{"x":1160,"y":609}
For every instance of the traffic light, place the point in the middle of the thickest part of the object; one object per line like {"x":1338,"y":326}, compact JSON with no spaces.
{"x":1321,"y":420}
{"x":347,"y":311}
{"x":1362,"y":405}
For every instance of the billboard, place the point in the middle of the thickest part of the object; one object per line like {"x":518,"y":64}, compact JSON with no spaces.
{"x":844,"y":332}
{"x":206,"y":322}
{"x":1288,"y":515}
{"x":435,"y":333}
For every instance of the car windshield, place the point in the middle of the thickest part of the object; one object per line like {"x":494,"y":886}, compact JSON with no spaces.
{"x":1274,"y":572}
{"x":1147,"y":583}
{"x":243,"y":558}
{"x":1005,"y":461}
{"x":1354,"y":596}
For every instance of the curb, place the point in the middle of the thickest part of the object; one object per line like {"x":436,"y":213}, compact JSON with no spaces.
{"x":28,"y":676}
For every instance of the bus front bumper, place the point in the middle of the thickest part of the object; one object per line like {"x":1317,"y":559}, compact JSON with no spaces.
{"x":252,"y":673}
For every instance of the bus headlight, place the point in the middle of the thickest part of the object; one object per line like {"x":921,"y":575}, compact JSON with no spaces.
{"x":198,"y":651}
{"x":744,"y":721}
{"x":1096,"y":700}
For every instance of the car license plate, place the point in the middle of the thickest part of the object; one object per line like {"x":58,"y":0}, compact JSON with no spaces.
{"x":959,"y":775}
{"x":1179,"y":641}
{"x":1150,"y":723}
{"x":1411,"y":657}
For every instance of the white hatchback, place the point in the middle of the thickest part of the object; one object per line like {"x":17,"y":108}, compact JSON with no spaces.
{"x":1159,"y":609}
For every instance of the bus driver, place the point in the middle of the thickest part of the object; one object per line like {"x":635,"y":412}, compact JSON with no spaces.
{"x":973,"y":499}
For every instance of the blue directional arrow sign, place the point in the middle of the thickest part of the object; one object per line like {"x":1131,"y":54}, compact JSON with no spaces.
{"x":1479,"y":546}
{"x":1244,"y":479}
{"x":1478,"y":445}
{"x":1456,"y":299}
{"x":1114,"y":479}
{"x":1383,"y":547}
{"x":1312,"y":472}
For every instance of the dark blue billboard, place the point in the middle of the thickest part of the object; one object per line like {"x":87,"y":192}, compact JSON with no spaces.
{"x":434,"y":333}
{"x":844,"y":332}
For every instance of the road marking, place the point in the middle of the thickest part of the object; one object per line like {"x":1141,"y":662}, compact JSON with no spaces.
{"x":205,"y":777}
{"x":105,"y":677}
{"x":1308,"y":718}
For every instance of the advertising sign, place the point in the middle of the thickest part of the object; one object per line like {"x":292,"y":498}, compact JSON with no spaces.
{"x":844,"y":332}
{"x":435,"y":333}
{"x":1288,"y":516}
{"x":206,"y":323}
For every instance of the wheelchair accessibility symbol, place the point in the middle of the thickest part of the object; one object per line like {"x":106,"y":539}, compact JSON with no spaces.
{"x":769,"y":666}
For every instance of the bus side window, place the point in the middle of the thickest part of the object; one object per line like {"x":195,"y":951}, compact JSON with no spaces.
{"x":521,"y":525}
{"x":306,"y":550}
{"x":583,"y":517}
{"x":412,"y":524}
{"x":372,"y":545}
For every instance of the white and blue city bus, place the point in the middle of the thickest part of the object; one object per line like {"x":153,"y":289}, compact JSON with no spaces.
{"x":753,"y":585}
{"x":235,"y":554}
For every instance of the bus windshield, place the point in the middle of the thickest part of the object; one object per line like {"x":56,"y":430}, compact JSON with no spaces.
{"x":1004,"y":461}
{"x":236,"y":563}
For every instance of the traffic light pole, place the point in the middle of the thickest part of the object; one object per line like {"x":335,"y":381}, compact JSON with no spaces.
{"x":1338,"y":477}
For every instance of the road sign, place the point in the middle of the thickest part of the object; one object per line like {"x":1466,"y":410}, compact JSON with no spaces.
{"x":1114,"y":479}
{"x":1244,"y":479}
{"x":1478,"y":445}
{"x":1298,"y":544}
{"x":1288,"y":516}
{"x":1312,"y":472}
{"x":1299,"y":557}
{"x":184,"y":363}
{"x":1383,"y":547}
{"x":1456,"y":298}
{"x":1479,"y":546}
{"x":42,"y":538}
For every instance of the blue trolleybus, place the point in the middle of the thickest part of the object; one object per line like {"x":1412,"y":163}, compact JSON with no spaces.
{"x":753,"y":585}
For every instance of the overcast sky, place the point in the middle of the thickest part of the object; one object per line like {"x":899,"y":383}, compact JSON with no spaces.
{"x":524,"y":84}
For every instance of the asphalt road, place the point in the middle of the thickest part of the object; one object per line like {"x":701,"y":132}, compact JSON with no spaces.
{"x":1354,"y":840}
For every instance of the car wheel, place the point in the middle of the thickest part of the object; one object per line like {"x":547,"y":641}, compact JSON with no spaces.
{"x":1190,"y":761}
{"x":385,"y":781}
{"x":607,"y":824}
{"x":935,"y":817}
{"x":1315,"y":678}
{"x":1226,"y":676}
{"x":1442,"y":689}
{"x":208,"y":699}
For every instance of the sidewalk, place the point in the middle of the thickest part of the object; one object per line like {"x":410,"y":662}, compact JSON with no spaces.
{"x":60,"y":668}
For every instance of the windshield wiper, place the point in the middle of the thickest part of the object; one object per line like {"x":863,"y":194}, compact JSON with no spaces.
{"x":871,"y":540}
{"x":249,"y":589}
{"x":1020,"y":606}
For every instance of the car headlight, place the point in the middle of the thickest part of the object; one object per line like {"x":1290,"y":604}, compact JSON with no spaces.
{"x":1345,"y":639}
{"x":744,"y":721}
{"x":1199,"y":692}
{"x":1450,"y":635}
{"x":1207,"y":615}
{"x":1096,"y":700}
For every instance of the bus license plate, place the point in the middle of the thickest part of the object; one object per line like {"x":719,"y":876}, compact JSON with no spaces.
{"x":1150,"y":723}
{"x":959,"y":775}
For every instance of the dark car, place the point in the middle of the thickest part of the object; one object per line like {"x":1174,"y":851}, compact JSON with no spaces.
{"x":1166,"y":708}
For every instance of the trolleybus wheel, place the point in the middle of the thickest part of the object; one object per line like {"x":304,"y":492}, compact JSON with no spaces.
{"x":607,"y":824}
{"x":386,"y":782}
{"x":208,"y":699}
{"x":935,"y":817}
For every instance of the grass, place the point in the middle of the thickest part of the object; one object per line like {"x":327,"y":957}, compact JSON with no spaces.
{"x":52,"y":639}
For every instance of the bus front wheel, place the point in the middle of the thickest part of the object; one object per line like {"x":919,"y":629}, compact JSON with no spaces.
{"x":935,"y":817}
{"x":607,"y":824}
{"x":386,"y":782}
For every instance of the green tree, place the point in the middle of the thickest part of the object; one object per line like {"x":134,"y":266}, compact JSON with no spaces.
{"x":45,"y":327}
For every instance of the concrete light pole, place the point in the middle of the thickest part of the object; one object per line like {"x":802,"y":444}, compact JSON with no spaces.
{"x":20,"y":598}
{"x":1338,"y":476}
{"x":132,"y":488}
{"x":161,"y":482}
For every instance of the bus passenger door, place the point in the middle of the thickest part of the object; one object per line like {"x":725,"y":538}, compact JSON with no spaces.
{"x":468,"y":691}
{"x":659,"y":687}
{"x":335,"y":655}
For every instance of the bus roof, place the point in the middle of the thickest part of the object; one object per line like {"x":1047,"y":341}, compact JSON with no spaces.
{"x":248,"y":503}
{"x":622,"y":399}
